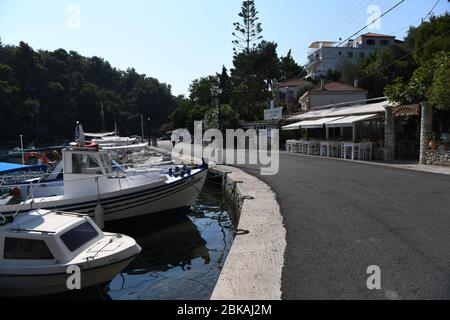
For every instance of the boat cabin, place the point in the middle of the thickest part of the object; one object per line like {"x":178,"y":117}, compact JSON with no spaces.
{"x":86,"y":161}
{"x":46,"y":237}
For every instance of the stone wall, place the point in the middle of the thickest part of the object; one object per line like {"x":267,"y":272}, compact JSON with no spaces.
{"x":437,"y":158}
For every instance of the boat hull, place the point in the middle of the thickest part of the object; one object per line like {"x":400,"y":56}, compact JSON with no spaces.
{"x":126,"y":203}
{"x":14,"y":286}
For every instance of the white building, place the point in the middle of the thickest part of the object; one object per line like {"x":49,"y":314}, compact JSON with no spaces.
{"x":331,"y":93}
{"x":325,"y":56}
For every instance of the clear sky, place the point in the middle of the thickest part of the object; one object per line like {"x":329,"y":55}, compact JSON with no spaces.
{"x":179,"y":40}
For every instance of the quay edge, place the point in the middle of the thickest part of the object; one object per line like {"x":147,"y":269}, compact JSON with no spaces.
{"x":254,"y":265}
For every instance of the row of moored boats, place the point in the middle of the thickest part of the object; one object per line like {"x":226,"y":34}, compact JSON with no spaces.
{"x":52,"y":213}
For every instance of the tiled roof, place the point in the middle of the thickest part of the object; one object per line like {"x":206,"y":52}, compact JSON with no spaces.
{"x":292,"y":83}
{"x":377,"y":35}
{"x":337,"y":86}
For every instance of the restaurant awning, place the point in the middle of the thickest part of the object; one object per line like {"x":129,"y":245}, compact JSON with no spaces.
{"x":349,"y":121}
{"x":317,"y":124}
{"x":294,"y":126}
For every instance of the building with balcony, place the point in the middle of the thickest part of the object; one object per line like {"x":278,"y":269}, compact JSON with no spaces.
{"x":327,"y":56}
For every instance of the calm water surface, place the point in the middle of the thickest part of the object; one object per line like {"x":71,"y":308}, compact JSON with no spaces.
{"x":182,"y":254}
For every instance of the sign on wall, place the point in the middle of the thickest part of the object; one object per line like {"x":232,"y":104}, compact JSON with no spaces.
{"x":273,"y":113}
{"x":408,"y":110}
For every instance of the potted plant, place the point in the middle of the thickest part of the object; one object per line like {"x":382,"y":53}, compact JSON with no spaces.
{"x":434,"y":141}
{"x":445,"y":145}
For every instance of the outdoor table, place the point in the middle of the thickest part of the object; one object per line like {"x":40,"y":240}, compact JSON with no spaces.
{"x":346,"y":147}
{"x":325,"y":148}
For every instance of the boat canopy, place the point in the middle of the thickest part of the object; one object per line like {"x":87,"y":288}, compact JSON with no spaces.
{"x":6,"y":167}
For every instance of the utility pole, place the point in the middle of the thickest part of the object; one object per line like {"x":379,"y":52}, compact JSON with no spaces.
{"x":287,"y":101}
{"x":21,"y":149}
{"x":103,"y":116}
{"x":142,"y":127}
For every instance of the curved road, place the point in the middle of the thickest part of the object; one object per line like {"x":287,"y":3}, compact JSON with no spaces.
{"x":342,"y":217}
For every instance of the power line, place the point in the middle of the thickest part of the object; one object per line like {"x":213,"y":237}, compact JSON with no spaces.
{"x":261,"y":77}
{"x":432,"y":9}
{"x":269,"y":67}
{"x":259,"y":73}
{"x":407,"y":55}
{"x":387,"y":66}
{"x":375,"y":20}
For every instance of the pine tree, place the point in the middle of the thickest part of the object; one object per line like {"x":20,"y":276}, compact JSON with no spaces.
{"x":247,"y":32}
{"x":226,"y":85}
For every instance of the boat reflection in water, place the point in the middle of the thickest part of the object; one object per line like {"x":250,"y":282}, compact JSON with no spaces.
{"x":182,"y":254}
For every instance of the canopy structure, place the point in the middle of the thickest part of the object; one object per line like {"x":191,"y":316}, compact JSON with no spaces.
{"x":350,"y":121}
{"x":317,"y":124}
{"x":293,"y":126}
{"x":99,"y":135}
{"x":12,"y":167}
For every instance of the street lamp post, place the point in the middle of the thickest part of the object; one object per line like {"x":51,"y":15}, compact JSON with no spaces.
{"x":219,"y":116}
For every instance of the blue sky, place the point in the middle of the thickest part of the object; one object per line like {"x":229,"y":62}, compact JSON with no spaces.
{"x":179,"y":40}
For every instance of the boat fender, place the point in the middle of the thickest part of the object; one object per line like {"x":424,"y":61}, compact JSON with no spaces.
{"x":99,"y":216}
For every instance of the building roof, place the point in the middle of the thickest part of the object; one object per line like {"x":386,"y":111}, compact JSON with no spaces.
{"x":292,"y":83}
{"x":362,"y":109}
{"x":320,"y":44}
{"x":377,"y":35}
{"x":335,"y":86}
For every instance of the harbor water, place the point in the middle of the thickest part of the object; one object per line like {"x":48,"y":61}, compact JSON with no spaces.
{"x":182,"y":254}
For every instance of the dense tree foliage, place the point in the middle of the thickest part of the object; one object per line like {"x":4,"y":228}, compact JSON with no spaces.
{"x":431,"y":37}
{"x":202,"y":90}
{"x":430,"y":82}
{"x":186,"y":113}
{"x":289,"y":69}
{"x":397,"y":63}
{"x":43,"y":94}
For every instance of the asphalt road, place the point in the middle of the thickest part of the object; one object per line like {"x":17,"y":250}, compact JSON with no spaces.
{"x":342,"y":217}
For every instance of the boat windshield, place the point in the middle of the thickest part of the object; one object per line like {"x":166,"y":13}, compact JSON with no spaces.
{"x":79,"y":236}
{"x":85,"y":164}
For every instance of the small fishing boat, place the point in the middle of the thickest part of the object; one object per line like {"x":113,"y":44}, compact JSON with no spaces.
{"x":24,"y":181}
{"x":110,"y":139}
{"x":41,"y":250}
{"x":92,"y":186}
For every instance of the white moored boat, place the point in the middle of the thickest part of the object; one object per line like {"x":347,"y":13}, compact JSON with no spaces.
{"x":39,"y":248}
{"x":92,"y":187}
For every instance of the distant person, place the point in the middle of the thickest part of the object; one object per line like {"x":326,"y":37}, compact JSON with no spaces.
{"x":173,"y":139}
